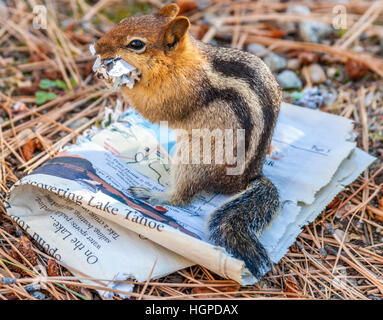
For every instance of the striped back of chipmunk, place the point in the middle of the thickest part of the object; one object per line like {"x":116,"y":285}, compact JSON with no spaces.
{"x":247,"y":86}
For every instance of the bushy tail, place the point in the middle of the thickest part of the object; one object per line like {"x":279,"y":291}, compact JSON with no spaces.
{"x":237,"y":224}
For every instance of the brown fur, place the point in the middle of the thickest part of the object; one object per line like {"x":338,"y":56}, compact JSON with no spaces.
{"x":170,"y":84}
{"x":196,"y":86}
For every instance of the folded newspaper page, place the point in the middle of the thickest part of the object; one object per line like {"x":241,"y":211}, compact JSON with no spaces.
{"x":78,"y":208}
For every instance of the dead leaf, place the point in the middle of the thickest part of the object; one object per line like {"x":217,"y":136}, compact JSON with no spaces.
{"x":292,"y":286}
{"x":28,"y":149}
{"x":9,"y":227}
{"x":276,"y":33}
{"x":346,"y":208}
{"x":53,"y":268}
{"x":378,"y":217}
{"x":186,"y":6}
{"x":355,"y":69}
{"x":24,"y":246}
{"x":306,"y":57}
{"x":333,"y":203}
{"x":202,"y":31}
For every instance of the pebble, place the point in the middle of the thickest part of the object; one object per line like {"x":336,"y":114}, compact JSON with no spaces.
{"x":340,"y":234}
{"x":257,"y":49}
{"x":359,"y":224}
{"x":309,"y":30}
{"x":313,"y":98}
{"x":317,"y":75}
{"x":3,"y":9}
{"x":312,"y":31}
{"x":293,"y":64}
{"x":298,"y":9}
{"x":275,"y":62}
{"x":291,"y":27}
{"x":78,"y":123}
{"x":289,"y":80}
{"x":208,"y":18}
{"x":38,"y":295}
{"x":331,"y":72}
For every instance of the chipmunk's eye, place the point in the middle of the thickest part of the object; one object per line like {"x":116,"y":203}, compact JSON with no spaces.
{"x":136,"y":45}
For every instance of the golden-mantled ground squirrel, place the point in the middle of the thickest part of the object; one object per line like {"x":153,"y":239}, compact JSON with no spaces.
{"x":193,"y":85}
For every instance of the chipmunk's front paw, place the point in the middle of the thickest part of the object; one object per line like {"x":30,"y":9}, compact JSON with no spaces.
{"x":149,"y":196}
{"x":141,"y":193}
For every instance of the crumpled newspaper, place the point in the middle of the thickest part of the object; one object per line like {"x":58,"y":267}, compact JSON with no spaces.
{"x":116,"y":70}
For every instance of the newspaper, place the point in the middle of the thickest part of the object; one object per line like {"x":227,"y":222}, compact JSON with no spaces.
{"x":78,"y":208}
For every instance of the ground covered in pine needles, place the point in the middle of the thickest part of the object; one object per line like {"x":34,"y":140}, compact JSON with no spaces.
{"x":49,"y":96}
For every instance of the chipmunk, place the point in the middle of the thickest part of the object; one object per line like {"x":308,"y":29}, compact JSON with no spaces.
{"x":193,"y":85}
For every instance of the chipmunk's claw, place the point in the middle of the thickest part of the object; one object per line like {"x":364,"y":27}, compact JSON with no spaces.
{"x":141,"y":193}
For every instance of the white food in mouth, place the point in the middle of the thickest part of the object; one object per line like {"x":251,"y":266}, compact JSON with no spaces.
{"x":117,"y":69}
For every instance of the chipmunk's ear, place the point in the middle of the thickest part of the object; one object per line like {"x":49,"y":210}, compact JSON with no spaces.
{"x":175,"y":30}
{"x":170,"y":11}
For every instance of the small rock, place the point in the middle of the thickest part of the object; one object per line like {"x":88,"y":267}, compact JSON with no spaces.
{"x":313,"y":98}
{"x":306,"y":57}
{"x":358,"y":48}
{"x":78,"y":123}
{"x":289,"y":80}
{"x":38,"y":295}
{"x":312,"y":31}
{"x":309,"y":30}
{"x":213,"y":42}
{"x":293,"y":64}
{"x":316,"y":73}
{"x":340,"y":234}
{"x":3,"y":9}
{"x":323,"y":253}
{"x":375,"y":49}
{"x":275,"y":62}
{"x":208,"y":18}
{"x":355,"y":69}
{"x":291,"y":27}
{"x":331,"y":72}
{"x":298,"y":9}
{"x":257,"y":49}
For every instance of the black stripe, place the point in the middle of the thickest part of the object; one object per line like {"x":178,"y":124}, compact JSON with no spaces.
{"x":244,"y":72}
{"x":237,"y":103}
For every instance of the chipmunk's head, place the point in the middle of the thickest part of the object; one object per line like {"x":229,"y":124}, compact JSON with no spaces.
{"x":146,"y":43}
